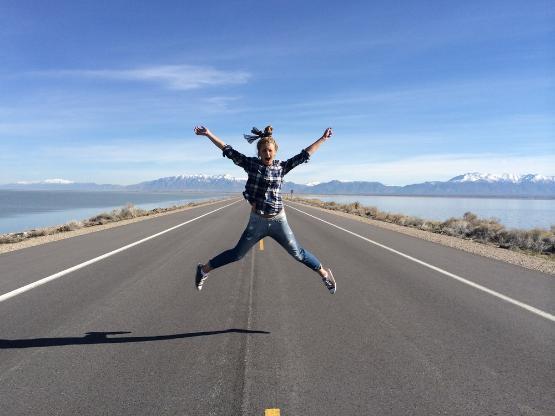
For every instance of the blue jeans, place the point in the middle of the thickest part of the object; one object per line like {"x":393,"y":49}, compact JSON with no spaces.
{"x":260,"y":227}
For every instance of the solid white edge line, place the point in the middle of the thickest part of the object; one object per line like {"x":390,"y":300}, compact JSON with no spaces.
{"x":47,"y":279}
{"x":529,"y":308}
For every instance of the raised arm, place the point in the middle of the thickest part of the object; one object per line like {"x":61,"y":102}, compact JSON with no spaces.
{"x":238,"y":158}
{"x":305,"y":153}
{"x":203,"y":131}
{"x":314,"y":146}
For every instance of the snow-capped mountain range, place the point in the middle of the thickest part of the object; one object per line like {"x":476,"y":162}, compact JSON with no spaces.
{"x":192,"y":183}
{"x":504,"y":177}
{"x":468,"y":184}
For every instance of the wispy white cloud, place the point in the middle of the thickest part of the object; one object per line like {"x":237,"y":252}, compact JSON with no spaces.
{"x":175,"y":77}
{"x":221,"y":104}
{"x":185,"y":150}
{"x":468,"y":91}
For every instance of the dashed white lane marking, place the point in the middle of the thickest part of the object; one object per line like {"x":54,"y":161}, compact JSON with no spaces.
{"x":40,"y":282}
{"x":529,"y":308}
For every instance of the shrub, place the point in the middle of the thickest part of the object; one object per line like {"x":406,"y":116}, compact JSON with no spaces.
{"x":456,"y":227}
{"x":371,"y":212}
{"x":470,"y":217}
{"x":413,"y":222}
{"x":37,"y":233}
{"x":99,"y":219}
{"x":70,"y":226}
{"x":128,"y":212}
{"x":12,"y":238}
{"x":432,"y":226}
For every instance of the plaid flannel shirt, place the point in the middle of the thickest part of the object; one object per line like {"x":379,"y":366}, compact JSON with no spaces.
{"x":263,"y":188}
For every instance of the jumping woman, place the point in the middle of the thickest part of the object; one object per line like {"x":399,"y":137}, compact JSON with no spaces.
{"x":263,"y":193}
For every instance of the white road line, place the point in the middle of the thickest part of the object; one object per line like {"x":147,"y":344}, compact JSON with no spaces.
{"x":529,"y":308}
{"x":40,"y":282}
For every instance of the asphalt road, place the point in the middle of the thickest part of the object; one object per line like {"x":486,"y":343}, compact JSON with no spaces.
{"x":130,"y":335}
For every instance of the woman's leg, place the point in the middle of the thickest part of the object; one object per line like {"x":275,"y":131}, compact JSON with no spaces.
{"x":252,"y":234}
{"x":282,"y":233}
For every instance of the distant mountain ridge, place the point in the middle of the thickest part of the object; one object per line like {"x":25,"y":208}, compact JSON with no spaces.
{"x":192,"y":183}
{"x":468,"y":184}
{"x":505,"y":177}
{"x":61,"y":184}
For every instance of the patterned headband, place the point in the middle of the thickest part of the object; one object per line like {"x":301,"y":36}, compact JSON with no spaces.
{"x":256,"y":134}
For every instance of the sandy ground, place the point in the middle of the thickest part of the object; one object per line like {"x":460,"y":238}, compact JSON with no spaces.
{"x":520,"y":259}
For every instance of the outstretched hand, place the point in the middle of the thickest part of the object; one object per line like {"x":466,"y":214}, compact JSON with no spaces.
{"x":314,"y":146}
{"x":201,"y":131}
{"x":327,"y":133}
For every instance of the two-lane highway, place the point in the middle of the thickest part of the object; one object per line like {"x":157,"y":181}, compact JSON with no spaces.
{"x":129,"y":333}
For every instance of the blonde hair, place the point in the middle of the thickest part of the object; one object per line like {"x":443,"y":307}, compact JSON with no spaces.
{"x":268,"y":139}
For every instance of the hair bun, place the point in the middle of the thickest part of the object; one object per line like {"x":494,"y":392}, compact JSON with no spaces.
{"x":257,"y":134}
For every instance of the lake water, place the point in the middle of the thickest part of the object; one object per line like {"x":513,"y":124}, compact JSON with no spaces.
{"x":513,"y":213}
{"x":25,"y":210}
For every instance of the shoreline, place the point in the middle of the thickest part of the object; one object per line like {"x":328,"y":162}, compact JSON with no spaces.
{"x":513,"y":213}
{"x":58,"y":235}
{"x":534,"y":262}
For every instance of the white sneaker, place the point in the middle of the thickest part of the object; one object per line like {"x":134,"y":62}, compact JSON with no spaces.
{"x":200,"y":277}
{"x":329,"y":282}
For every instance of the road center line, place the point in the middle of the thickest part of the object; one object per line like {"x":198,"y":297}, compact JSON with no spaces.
{"x":529,"y":308}
{"x":47,"y":279}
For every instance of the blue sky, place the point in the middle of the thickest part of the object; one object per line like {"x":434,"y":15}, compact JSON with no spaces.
{"x":109,"y":91}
